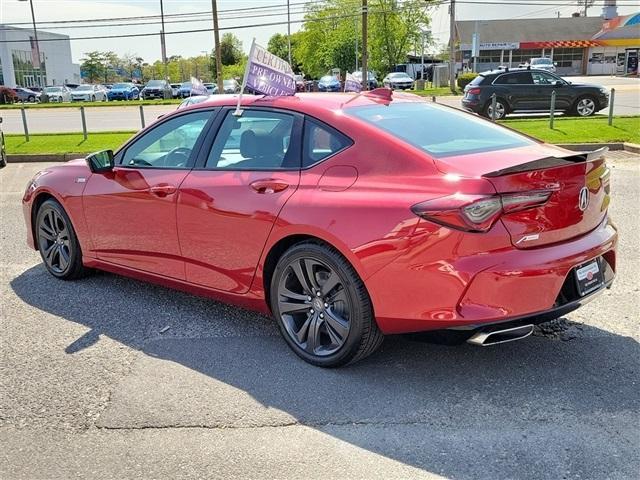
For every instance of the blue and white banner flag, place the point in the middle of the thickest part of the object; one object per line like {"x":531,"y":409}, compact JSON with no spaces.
{"x":351,"y":84}
{"x":267,"y":74}
{"x":197,"y":87}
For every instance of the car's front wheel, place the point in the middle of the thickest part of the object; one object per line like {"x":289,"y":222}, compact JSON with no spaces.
{"x":322,"y":307}
{"x":57,"y":242}
{"x":501,"y":109}
{"x":585,"y":106}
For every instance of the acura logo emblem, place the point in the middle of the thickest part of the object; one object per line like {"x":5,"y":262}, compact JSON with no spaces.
{"x":583,"y":199}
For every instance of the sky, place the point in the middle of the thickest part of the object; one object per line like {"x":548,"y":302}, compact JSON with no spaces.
{"x":192,"y":44}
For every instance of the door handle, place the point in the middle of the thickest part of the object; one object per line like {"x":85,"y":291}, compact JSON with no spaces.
{"x":162,"y":190}
{"x":269,"y":186}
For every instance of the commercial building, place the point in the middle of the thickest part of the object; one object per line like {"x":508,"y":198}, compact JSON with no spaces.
{"x":20,"y":65}
{"x":578,"y":45}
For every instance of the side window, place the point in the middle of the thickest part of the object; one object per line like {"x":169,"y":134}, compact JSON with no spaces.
{"x":519,"y":78}
{"x":169,"y":145}
{"x":541,"y":78}
{"x":320,"y":142}
{"x":257,"y":140}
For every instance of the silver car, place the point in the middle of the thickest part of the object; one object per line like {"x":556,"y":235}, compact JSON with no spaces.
{"x":58,"y":94}
{"x":543,"y":64}
{"x":398,"y":80}
{"x":89,"y":93}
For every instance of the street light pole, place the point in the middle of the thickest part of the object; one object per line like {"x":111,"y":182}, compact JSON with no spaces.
{"x":289,"y":30}
{"x":163,"y":45}
{"x":452,"y":45}
{"x":216,"y":42}
{"x":365,"y":67}
{"x":35,"y":38}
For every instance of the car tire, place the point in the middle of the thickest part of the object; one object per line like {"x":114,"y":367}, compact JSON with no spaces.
{"x":58,"y":243}
{"x":585,"y":106}
{"x":315,"y":289}
{"x":32,"y":99}
{"x":502,"y":108}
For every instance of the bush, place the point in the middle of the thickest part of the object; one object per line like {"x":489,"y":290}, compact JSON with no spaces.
{"x":465,"y":79}
{"x":7,"y":95}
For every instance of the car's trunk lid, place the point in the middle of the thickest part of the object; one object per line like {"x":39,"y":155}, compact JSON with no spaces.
{"x":578,"y":184}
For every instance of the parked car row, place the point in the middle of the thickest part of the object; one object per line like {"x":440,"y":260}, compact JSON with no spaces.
{"x":331,"y":83}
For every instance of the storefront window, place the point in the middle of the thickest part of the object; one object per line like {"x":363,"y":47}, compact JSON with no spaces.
{"x":566,"y":56}
{"x":25,"y":73}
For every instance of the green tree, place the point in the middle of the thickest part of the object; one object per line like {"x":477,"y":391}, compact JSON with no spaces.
{"x":92,"y":66}
{"x":230,"y":49}
{"x":331,"y":29}
{"x":279,"y":46}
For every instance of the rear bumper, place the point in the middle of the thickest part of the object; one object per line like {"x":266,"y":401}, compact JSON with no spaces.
{"x":471,"y":105}
{"x":467,"y":287}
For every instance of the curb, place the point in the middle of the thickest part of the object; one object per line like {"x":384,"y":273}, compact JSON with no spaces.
{"x":46,"y":157}
{"x":580,"y":147}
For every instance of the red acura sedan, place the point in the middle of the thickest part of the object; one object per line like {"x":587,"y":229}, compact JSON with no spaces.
{"x":347,"y":217}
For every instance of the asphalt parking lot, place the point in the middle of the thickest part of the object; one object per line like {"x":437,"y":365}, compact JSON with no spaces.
{"x":93,"y":385}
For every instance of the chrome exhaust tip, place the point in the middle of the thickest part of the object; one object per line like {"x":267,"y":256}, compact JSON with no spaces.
{"x":484,"y":338}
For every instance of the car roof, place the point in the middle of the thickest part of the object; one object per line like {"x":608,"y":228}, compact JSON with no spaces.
{"x":511,"y":70}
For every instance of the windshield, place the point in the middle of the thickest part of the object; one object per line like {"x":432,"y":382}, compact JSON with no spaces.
{"x":186,"y":85}
{"x":399,"y":75}
{"x":229,"y":83}
{"x":328,"y":78}
{"x":121,"y":85}
{"x":53,"y":89}
{"x":541,"y":61}
{"x":438,"y":130}
{"x":298,"y":78}
{"x":84,"y":87}
{"x":155,"y":83}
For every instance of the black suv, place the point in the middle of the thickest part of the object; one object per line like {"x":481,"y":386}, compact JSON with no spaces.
{"x":157,"y":89}
{"x":524,"y":89}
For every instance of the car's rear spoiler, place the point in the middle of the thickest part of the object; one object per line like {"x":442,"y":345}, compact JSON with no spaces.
{"x":550,"y":162}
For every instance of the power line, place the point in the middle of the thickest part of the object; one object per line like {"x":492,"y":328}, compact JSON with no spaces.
{"x":201,"y":30}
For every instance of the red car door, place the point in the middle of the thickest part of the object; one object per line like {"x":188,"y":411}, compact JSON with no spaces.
{"x":228,"y":204}
{"x":131,"y":211}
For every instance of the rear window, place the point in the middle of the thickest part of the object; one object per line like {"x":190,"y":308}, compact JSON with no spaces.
{"x":476,"y":81}
{"x":439,"y":131}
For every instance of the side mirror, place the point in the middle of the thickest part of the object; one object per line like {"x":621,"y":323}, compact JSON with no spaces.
{"x":555,"y":64}
{"x":559,"y":83}
{"x":100,"y":162}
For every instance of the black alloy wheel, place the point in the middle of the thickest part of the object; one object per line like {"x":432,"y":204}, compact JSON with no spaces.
{"x":57,"y":242}
{"x":322,"y":307}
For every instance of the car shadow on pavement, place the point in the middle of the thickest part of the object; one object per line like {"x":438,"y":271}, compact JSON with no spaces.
{"x":554,"y":406}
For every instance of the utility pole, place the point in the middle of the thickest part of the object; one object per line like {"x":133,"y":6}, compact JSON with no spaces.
{"x":452,"y":45}
{"x":37,"y":45}
{"x":289,"y":31}
{"x":356,"y":35}
{"x":365,"y":68}
{"x":163,"y":45}
{"x":216,"y":41}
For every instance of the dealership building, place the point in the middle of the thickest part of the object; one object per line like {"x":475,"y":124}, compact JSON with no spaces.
{"x":605,"y":45}
{"x":20,"y":65}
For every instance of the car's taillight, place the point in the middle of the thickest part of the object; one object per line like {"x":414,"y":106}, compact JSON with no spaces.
{"x":473,"y":91}
{"x":476,"y":213}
